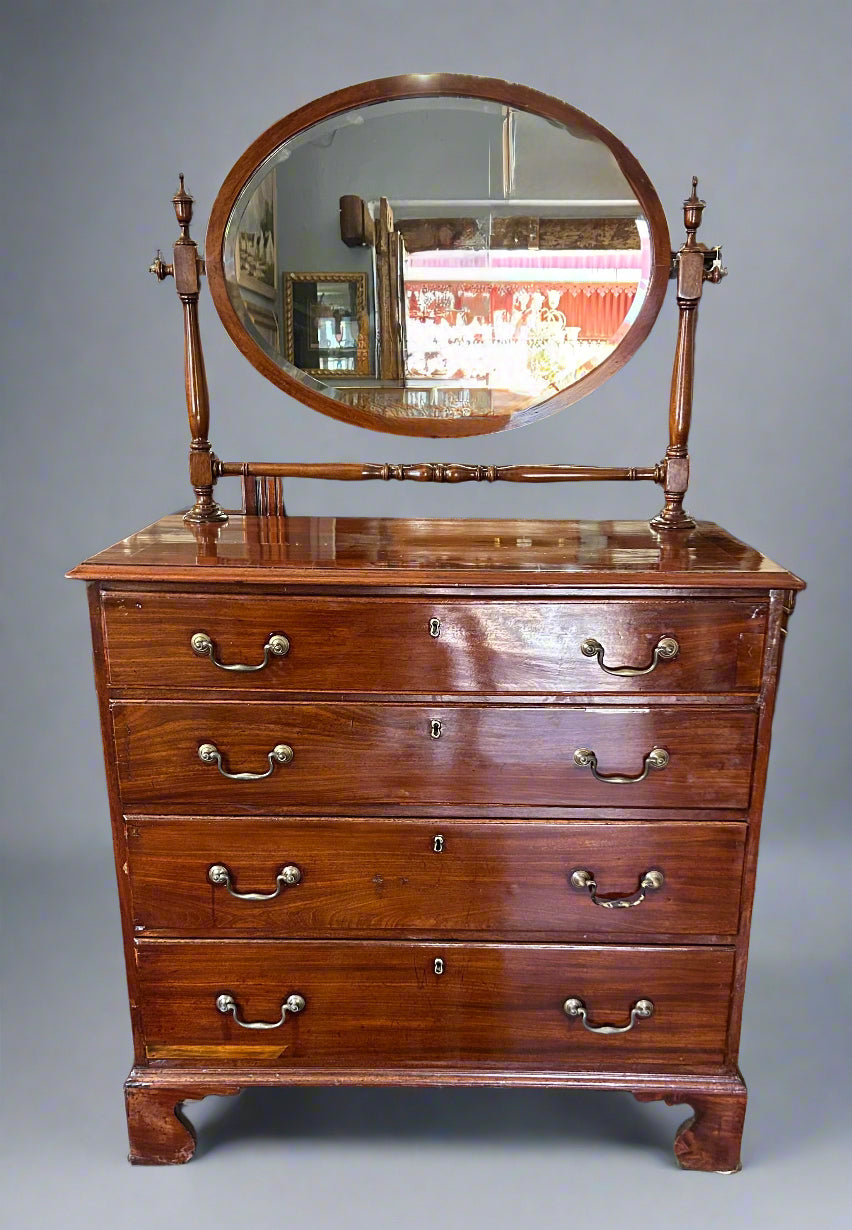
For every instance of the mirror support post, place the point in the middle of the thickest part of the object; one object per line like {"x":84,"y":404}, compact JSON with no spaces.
{"x":187,"y":270}
{"x":390,"y":310}
{"x":695,"y":264}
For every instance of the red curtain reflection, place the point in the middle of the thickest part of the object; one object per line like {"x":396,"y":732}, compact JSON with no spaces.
{"x":596,"y":308}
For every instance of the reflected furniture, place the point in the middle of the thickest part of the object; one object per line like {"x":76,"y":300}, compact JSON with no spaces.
{"x":436,"y":802}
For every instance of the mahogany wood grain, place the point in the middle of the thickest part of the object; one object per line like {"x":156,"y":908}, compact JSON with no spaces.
{"x":187,"y":269}
{"x":381,"y":552}
{"x":711,"y":1139}
{"x":159,"y":1133}
{"x":432,"y":472}
{"x":351,"y":753}
{"x":353,"y":810}
{"x":263,"y":497}
{"x":158,"y":1087}
{"x":781,"y":603}
{"x":119,"y":836}
{"x":346,"y":645}
{"x":173,"y":1075}
{"x":690,"y":278}
{"x":377,"y":1004}
{"x":382,"y":878}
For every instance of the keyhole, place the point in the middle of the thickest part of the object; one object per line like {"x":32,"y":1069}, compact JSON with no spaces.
{"x":438,"y":842}
{"x":434,"y":627}
{"x":439,"y":965}
{"x":435,"y":728}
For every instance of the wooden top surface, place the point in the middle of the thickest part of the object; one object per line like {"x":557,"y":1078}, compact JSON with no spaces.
{"x":456,"y":553}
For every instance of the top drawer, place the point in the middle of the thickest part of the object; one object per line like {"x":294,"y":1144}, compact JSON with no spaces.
{"x":420,"y":645}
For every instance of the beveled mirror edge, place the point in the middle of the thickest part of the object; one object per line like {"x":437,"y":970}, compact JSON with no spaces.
{"x":430,"y":85}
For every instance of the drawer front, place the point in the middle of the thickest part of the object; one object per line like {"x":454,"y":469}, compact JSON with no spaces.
{"x":434,"y":878}
{"x":346,"y":754}
{"x":417,"y":645}
{"x":382,"y":1005}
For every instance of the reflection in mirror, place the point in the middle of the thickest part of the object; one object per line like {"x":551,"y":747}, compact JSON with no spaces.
{"x":439,"y":258}
{"x":325,"y":323}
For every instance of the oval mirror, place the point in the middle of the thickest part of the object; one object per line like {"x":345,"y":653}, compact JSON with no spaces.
{"x":438,"y":255}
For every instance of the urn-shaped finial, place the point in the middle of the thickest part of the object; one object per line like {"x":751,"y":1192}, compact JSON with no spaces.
{"x":693,"y":208}
{"x":182,"y":202}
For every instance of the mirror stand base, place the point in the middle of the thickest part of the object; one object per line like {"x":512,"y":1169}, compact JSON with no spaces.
{"x":205,"y":511}
{"x":672,"y":519}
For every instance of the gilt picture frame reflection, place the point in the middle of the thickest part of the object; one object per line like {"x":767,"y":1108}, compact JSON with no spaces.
{"x":326,"y":325}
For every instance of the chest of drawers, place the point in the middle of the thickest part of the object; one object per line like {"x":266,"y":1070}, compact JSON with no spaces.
{"x":436,"y":803}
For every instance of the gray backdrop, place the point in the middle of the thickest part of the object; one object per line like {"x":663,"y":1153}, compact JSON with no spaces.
{"x":104,"y":103}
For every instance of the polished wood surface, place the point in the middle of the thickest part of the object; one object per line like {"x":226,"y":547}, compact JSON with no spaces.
{"x":369,"y":790}
{"x":156,"y":1092}
{"x":378,"y":901}
{"x":415,"y":879}
{"x":174,"y":1076}
{"x":187,"y":270}
{"x":263,"y":497}
{"x":433,"y":929}
{"x":695,"y":264}
{"x":382,"y":1003}
{"x":386,"y":553}
{"x":434,"y":85}
{"x":385,"y":753}
{"x":159,"y":1132}
{"x":711,"y":1138}
{"x":436,"y":472}
{"x":119,"y":836}
{"x":351,"y":645}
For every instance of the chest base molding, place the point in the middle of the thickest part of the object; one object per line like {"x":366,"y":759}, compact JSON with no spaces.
{"x":160,"y":1134}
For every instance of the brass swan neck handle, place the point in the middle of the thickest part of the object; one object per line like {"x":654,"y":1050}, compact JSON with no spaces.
{"x":226,"y":1003}
{"x":282,"y":753}
{"x":585,"y":758}
{"x":665,"y":650}
{"x":641,"y":1010}
{"x":278,"y":645}
{"x":649,"y":882}
{"x":289,"y":875}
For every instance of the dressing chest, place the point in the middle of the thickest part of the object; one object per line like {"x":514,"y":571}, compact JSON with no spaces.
{"x":425,"y":802}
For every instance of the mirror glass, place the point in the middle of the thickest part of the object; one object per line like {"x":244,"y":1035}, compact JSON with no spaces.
{"x":438,"y":260}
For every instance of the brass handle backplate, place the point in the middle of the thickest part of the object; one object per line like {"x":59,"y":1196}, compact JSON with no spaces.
{"x":665,"y":649}
{"x":226,"y":1003}
{"x":585,"y":758}
{"x":219,"y":874}
{"x":584,"y":881}
{"x":282,"y":753}
{"x":641,"y":1010}
{"x":278,"y":645}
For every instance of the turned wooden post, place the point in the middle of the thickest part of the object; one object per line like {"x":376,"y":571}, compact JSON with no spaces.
{"x":696,"y":264}
{"x":187,"y":270}
{"x":390,"y":310}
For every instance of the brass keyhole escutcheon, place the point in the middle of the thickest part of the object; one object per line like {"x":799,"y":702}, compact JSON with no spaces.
{"x":436,"y":728}
{"x":439,"y":965}
{"x":438,"y":843}
{"x":435,"y":627}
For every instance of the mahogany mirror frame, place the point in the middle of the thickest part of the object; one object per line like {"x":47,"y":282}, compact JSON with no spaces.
{"x":388,"y":89}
